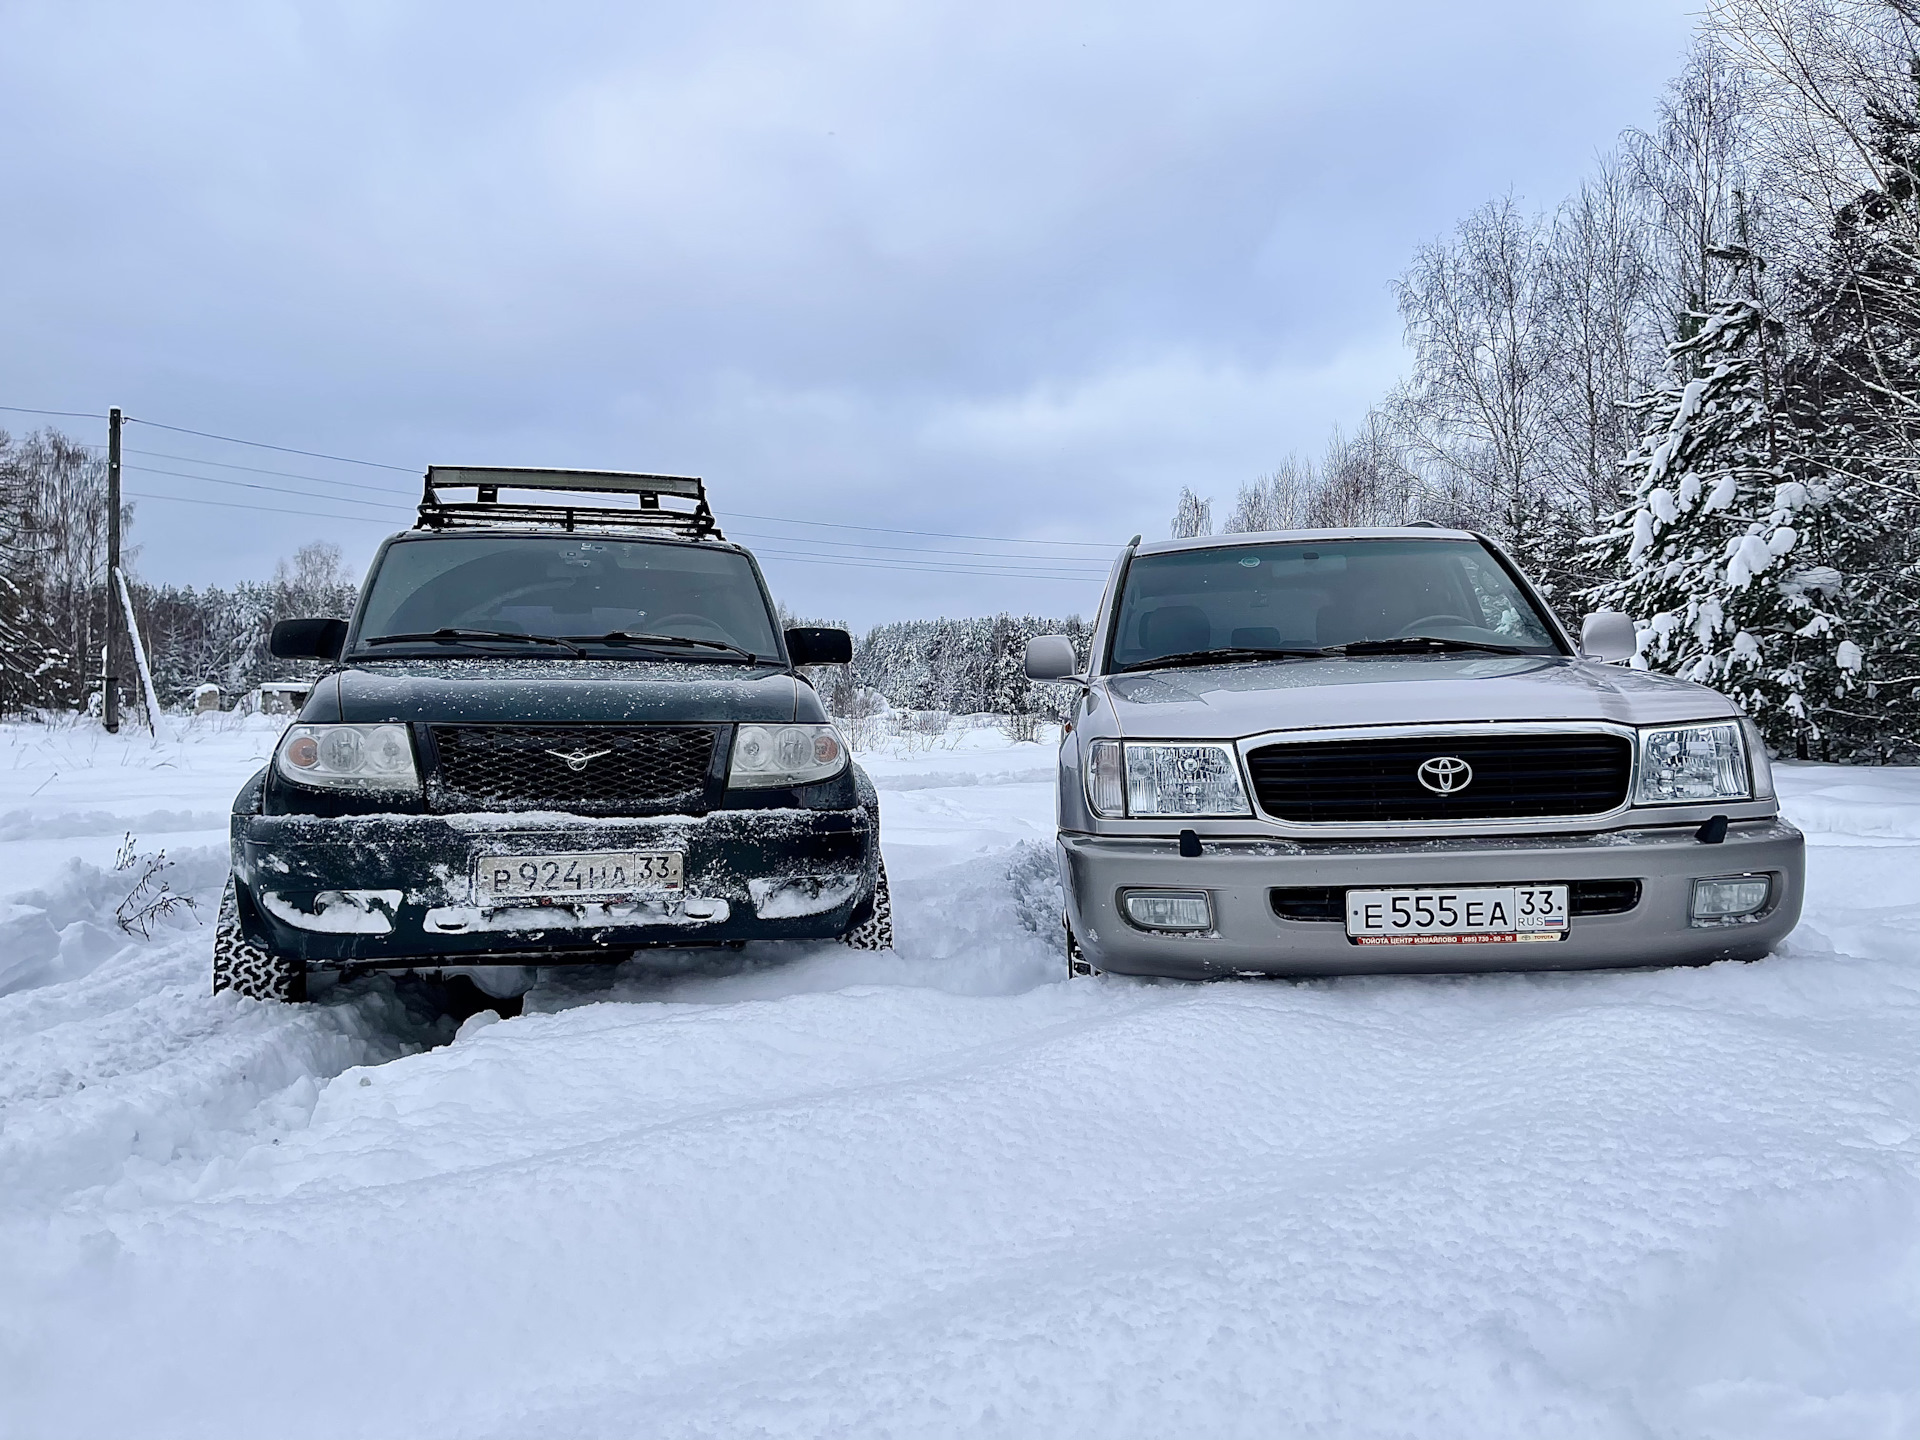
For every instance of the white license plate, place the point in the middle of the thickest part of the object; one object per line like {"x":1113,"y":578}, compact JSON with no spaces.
{"x":1472,"y":915}
{"x":583,"y":874}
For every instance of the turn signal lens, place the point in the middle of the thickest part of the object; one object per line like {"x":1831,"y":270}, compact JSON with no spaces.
{"x":1106,"y":779}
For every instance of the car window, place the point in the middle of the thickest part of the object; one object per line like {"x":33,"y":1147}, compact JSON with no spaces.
{"x":1315,"y":594}
{"x":567,"y":585}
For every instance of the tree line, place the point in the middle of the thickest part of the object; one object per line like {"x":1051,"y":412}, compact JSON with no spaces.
{"x":53,"y":599}
{"x":53,"y":497}
{"x":1691,"y":390}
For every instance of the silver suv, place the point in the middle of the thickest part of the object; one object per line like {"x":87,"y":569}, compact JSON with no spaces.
{"x":1365,"y":751}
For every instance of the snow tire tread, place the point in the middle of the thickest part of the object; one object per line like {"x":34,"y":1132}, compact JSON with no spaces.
{"x":248,"y":969}
{"x":875,"y":931}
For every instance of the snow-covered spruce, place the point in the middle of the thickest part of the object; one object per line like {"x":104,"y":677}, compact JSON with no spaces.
{"x":1719,"y":555}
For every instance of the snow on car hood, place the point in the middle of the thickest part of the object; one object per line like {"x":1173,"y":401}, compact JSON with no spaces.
{"x":582,"y":692}
{"x":1228,"y":701}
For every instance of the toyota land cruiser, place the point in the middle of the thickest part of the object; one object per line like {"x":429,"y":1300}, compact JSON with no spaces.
{"x":1376,"y":750}
{"x":559,"y":726}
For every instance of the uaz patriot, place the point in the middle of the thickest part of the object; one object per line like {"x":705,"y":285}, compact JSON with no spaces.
{"x":562,"y":724}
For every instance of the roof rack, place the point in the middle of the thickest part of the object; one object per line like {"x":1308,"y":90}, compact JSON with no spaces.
{"x":487,"y":510}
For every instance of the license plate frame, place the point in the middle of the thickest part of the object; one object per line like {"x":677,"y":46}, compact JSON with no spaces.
{"x":563,"y":876}
{"x":1481,"y":914}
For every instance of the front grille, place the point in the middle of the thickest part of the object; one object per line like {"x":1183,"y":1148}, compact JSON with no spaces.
{"x":644,"y":770}
{"x":1514,"y":777}
{"x":1329,"y":902}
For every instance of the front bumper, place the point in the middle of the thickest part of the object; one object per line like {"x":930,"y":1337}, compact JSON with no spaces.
{"x":1248,"y":937}
{"x":397,"y":889}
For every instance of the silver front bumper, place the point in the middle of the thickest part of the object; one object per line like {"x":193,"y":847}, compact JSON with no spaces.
{"x":1248,"y":937}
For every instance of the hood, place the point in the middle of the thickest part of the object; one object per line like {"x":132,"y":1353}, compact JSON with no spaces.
{"x":580,"y":692}
{"x":1225,"y":702}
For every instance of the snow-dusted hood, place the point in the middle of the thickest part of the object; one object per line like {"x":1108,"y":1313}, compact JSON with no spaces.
{"x":1224,"y":702}
{"x":580,"y":692}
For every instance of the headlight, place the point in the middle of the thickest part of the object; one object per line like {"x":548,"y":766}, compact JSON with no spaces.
{"x":1693,"y":764}
{"x":1161,"y":779}
{"x":784,"y":755}
{"x":348,"y":757}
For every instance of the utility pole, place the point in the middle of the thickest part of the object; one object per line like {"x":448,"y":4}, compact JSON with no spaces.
{"x":110,"y":661}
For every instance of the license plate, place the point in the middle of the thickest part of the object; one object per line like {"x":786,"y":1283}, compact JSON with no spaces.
{"x":583,"y":874}
{"x":1477,"y":915}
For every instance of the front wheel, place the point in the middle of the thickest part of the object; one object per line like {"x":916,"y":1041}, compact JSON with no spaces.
{"x":248,"y":969}
{"x":1077,"y":962}
{"x":874,"y":929}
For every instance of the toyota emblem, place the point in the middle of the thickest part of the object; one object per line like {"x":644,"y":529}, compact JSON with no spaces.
{"x":1444,"y":774}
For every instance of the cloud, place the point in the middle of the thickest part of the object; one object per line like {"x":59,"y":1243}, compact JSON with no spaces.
{"x":991,"y":267}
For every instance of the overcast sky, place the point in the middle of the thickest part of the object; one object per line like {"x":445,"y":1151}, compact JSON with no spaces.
{"x":985,"y":269}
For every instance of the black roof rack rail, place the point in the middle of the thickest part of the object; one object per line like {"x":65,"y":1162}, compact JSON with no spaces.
{"x":487,"y":510}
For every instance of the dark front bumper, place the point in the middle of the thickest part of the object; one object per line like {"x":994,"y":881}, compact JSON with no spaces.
{"x":389,"y":889}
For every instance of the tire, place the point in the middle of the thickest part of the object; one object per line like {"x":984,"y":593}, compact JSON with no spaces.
{"x":1077,"y":962}
{"x":248,"y":969}
{"x":873,"y":929}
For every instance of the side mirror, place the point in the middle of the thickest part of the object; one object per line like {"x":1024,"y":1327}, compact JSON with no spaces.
{"x":819,"y":645}
{"x":307,"y":639}
{"x":1608,"y":635}
{"x":1051,"y":657}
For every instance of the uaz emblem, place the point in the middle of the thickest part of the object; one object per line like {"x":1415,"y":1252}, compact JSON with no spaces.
{"x":1445,"y":774}
{"x":577,"y":759}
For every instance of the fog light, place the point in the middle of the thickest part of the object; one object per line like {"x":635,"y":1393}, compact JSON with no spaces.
{"x":1733,"y":898}
{"x":1170,"y":909}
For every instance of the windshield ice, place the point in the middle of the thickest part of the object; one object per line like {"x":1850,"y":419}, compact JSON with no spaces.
{"x":1321,"y":593}
{"x":567,"y":585}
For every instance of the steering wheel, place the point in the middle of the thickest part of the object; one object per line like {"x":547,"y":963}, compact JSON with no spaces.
{"x":659,"y":626}
{"x":1426,"y":622}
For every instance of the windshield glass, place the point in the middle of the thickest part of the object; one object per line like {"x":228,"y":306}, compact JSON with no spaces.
{"x":1316,"y":594}
{"x":567,"y":585}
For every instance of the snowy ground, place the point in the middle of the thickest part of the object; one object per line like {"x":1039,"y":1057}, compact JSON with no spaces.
{"x":945,"y":1192}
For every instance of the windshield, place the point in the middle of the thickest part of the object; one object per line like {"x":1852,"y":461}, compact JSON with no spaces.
{"x":1314,"y":595}
{"x":568,"y":586}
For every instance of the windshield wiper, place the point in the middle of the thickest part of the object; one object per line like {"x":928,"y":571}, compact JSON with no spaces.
{"x":621,"y":637}
{"x":447,"y":634}
{"x":1425,"y":644}
{"x":1226,"y":654}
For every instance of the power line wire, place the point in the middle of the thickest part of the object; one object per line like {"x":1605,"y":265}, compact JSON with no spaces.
{"x":255,"y":485}
{"x":929,"y":534}
{"x":63,"y":414}
{"x":869,"y":562}
{"x":263,"y":509}
{"x":256,"y":470}
{"x":1018,"y":561}
{"x":1097,"y":567}
{"x":1103,"y":546}
{"x":262,"y":445}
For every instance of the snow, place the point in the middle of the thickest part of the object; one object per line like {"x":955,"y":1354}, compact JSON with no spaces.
{"x":811,"y":1191}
